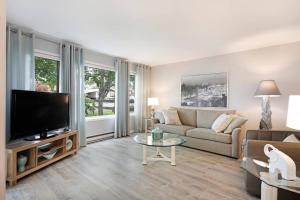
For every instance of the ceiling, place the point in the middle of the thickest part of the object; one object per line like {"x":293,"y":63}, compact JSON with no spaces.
{"x":162,"y":31}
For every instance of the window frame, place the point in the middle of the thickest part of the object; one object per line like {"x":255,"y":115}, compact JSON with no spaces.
{"x":50,"y":56}
{"x":101,"y":67}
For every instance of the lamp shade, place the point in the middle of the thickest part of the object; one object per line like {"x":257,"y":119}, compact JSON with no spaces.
{"x":267,"y":88}
{"x":293,"y":116}
{"x":153,"y":101}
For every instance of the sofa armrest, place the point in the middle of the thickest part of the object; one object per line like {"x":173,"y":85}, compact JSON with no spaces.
{"x":255,"y":148}
{"x":235,"y":136}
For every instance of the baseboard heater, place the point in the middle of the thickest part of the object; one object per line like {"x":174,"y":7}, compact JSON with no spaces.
{"x":99,"y":137}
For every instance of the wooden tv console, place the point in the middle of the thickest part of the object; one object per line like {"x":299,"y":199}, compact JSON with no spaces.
{"x":35,"y":156}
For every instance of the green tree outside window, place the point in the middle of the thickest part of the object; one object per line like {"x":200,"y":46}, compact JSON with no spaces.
{"x":46,"y":74}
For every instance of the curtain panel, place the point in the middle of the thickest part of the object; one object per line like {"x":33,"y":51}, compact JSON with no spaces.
{"x":122,"y":99}
{"x":20,"y":73}
{"x":72,"y":82}
{"x":142,"y":93}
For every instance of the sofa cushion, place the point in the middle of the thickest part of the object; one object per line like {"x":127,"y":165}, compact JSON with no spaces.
{"x":171,"y":117}
{"x":180,"y":130}
{"x":205,"y":118}
{"x":209,"y":134}
{"x":291,"y":138}
{"x":237,"y":122}
{"x":221,"y":123}
{"x":187,"y":117}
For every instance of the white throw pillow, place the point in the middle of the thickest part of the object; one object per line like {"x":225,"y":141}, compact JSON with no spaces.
{"x":171,"y":117}
{"x":221,"y":123}
{"x":160,"y":116}
{"x":291,"y":138}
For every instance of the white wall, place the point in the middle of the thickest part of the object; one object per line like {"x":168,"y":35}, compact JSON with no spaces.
{"x":99,"y":125}
{"x":245,"y":70}
{"x":2,"y":97}
{"x":102,"y":125}
{"x":98,"y":58}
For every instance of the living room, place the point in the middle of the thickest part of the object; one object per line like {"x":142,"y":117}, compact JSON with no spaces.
{"x":149,"y":99}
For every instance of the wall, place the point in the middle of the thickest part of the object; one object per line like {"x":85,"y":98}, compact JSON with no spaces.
{"x":99,"y":125}
{"x":2,"y":97}
{"x":102,"y":125}
{"x":99,"y":58}
{"x":245,"y":70}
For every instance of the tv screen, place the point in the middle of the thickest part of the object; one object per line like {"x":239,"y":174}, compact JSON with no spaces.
{"x":38,"y":112}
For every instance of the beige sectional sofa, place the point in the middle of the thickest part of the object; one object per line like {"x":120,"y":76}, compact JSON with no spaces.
{"x":196,"y":130}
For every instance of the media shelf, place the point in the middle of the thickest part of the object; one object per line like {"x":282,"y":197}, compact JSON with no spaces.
{"x":37,"y":154}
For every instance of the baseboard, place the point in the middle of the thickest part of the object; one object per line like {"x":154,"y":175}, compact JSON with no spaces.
{"x":98,"y":138}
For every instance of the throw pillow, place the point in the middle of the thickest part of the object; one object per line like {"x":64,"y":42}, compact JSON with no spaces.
{"x":160,"y":116}
{"x":237,"y":122}
{"x":221,"y":123}
{"x":291,"y":138}
{"x":171,"y":117}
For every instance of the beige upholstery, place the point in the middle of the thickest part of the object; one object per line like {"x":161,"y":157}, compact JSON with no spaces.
{"x":209,"y":134}
{"x":205,"y":118}
{"x":180,"y":130}
{"x":187,"y":117}
{"x":197,"y":130}
{"x":235,"y":137}
{"x":208,"y":145}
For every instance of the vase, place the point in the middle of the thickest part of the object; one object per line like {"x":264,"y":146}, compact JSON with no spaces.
{"x":22,"y":160}
{"x":157,"y":134}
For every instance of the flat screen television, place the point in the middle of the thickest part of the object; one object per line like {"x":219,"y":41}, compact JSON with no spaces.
{"x":37,"y":113}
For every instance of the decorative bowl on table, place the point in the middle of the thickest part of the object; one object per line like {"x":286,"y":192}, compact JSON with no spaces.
{"x":157,"y":134}
{"x":69,"y":144}
{"x":50,"y":155}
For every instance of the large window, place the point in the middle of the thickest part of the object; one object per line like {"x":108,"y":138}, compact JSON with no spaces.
{"x":46,"y":74}
{"x":131,"y":92}
{"x":99,"y":92}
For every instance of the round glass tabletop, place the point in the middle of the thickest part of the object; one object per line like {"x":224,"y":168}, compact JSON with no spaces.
{"x":168,"y":140}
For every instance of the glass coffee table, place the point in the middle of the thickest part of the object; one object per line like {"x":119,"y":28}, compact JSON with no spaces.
{"x":269,"y":183}
{"x":169,"y":140}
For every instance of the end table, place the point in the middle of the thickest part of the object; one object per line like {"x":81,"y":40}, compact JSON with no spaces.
{"x":147,"y":120}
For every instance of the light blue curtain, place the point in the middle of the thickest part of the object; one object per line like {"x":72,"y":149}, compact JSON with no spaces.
{"x":142,"y":92}
{"x":19,"y":66}
{"x":72,"y":82}
{"x":122,"y":99}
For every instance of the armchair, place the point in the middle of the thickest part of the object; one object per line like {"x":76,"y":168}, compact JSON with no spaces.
{"x":254,"y":148}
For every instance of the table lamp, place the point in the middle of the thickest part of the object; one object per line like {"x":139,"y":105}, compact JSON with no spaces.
{"x":266,"y":89}
{"x":293,"y":115}
{"x":153,"y":101}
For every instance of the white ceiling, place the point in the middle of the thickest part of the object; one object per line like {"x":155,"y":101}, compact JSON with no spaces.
{"x":162,"y":31}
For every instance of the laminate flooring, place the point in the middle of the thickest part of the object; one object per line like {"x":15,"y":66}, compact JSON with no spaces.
{"x":112,"y":170}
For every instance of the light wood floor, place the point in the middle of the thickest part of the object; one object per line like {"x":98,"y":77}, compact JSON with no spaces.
{"x":112,"y":170}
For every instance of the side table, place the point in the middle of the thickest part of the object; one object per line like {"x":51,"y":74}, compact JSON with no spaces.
{"x":147,"y":120}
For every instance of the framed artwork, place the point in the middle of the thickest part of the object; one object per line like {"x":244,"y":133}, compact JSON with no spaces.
{"x":204,"y":90}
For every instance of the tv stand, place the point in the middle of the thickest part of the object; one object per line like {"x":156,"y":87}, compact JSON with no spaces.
{"x":41,"y":136}
{"x":37,"y":154}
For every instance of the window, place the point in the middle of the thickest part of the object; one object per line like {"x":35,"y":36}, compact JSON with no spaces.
{"x":46,"y":74}
{"x":131,"y":92}
{"x":99,"y":92}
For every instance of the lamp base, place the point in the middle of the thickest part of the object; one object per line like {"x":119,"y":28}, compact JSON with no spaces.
{"x":266,"y":115}
{"x":152,"y":113}
{"x":263,"y":125}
